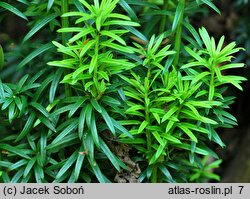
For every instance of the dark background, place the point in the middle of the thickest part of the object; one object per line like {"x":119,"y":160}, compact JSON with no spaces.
{"x":234,"y":23}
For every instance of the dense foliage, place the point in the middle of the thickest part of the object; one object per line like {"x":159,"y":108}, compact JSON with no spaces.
{"x":113,"y":91}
